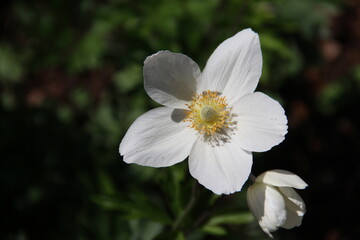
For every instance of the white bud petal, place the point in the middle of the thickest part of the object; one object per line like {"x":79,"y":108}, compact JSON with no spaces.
{"x":267,"y":205}
{"x":281,"y":178}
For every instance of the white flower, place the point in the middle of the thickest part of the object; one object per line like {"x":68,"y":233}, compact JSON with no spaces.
{"x":274,"y":202}
{"x":214,"y":117}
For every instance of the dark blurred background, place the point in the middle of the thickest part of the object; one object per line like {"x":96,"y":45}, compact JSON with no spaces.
{"x":71,"y":85}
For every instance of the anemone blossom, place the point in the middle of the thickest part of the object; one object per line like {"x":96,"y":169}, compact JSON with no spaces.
{"x":214,"y":117}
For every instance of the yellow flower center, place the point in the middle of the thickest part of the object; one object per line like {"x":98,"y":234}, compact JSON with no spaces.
{"x":207,"y":113}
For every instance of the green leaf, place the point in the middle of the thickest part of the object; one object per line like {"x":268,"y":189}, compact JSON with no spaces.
{"x":215,"y":230}
{"x":129,"y":78}
{"x":10,"y":67}
{"x":139,"y":207}
{"x":239,"y":218}
{"x":80,"y":97}
{"x":170,"y":235}
{"x":329,"y":95}
{"x":213,"y":225}
{"x":109,"y":202}
{"x":88,"y":52}
{"x":106,"y":184}
{"x":144,"y":230}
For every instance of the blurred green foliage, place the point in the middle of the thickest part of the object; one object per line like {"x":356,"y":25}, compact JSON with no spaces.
{"x":71,"y":85}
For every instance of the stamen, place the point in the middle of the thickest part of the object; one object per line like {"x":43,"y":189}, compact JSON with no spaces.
{"x":208,"y":113}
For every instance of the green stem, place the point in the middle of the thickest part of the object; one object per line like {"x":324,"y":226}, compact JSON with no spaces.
{"x":187,"y":209}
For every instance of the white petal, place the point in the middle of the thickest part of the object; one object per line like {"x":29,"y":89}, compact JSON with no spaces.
{"x":261,"y":122}
{"x":170,"y":78}
{"x":255,"y":196}
{"x":222,"y":169}
{"x":267,"y":205}
{"x":292,"y":220}
{"x":295,"y":207}
{"x":297,"y":203}
{"x":234,"y":68}
{"x":281,"y":178}
{"x":158,"y":138}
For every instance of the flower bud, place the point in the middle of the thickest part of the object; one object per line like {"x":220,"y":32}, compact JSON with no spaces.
{"x":273,"y":201}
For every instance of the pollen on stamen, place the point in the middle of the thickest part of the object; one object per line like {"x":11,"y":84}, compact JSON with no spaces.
{"x":208,"y":113}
